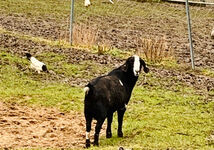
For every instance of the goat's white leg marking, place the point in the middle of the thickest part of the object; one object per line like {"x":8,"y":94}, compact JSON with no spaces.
{"x":87,"y":135}
{"x":121,"y":82}
{"x":87,"y":2}
{"x":136,"y":68}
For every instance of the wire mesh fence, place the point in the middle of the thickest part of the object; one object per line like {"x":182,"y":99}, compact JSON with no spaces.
{"x":121,"y":25}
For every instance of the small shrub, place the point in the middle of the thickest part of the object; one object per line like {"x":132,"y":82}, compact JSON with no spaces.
{"x":155,"y":50}
{"x":103,"y":47}
{"x":84,"y":35}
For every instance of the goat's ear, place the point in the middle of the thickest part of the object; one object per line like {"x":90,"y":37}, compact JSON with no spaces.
{"x":124,"y":68}
{"x":145,"y":69}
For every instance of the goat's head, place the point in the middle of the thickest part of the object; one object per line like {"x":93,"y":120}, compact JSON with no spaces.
{"x":134,"y":64}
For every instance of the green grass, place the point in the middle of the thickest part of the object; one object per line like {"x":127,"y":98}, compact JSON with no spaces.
{"x":208,"y":72}
{"x":157,"y":117}
{"x":27,"y":88}
{"x":162,"y":119}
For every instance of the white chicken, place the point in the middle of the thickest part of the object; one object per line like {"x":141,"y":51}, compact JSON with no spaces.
{"x":36,"y":64}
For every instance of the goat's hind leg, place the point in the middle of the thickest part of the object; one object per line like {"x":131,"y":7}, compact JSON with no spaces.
{"x":88,"y":129}
{"x":97,"y":131}
{"x":109,"y":121}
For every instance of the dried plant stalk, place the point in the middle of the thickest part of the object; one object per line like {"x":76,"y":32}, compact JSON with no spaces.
{"x":155,"y":50}
{"x":84,"y":35}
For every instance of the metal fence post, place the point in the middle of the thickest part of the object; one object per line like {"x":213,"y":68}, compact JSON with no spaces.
{"x":190,"y":35}
{"x":71,"y":20}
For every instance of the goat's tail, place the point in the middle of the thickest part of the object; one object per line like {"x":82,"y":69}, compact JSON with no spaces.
{"x":88,"y":89}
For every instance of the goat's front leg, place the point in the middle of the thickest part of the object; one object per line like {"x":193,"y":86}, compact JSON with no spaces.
{"x":109,"y":121}
{"x":97,"y":131}
{"x":120,"y":114}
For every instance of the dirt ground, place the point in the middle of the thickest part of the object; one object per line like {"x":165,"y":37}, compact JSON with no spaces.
{"x":22,"y":126}
{"x":33,"y":127}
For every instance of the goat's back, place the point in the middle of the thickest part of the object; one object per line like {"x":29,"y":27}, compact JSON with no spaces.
{"x":108,"y":90}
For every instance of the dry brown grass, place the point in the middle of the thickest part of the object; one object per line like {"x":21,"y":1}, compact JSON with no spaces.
{"x":155,"y":50}
{"x":84,"y":35}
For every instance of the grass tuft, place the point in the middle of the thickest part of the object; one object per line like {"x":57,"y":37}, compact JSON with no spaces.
{"x":155,"y":50}
{"x":84,"y":35}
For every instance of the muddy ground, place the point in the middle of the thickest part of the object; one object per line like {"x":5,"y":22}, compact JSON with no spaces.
{"x":30,"y":127}
{"x":22,"y":126}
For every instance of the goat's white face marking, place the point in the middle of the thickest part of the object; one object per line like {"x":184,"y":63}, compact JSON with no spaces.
{"x":87,"y":135}
{"x":136,"y":68}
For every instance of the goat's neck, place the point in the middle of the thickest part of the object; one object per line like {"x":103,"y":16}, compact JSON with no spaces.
{"x":130,"y":82}
{"x":127,"y":78}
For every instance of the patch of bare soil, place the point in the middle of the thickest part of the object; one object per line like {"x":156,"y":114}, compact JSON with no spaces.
{"x":22,"y":126}
{"x":42,"y":27}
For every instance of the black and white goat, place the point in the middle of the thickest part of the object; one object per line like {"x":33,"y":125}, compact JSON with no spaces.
{"x":36,"y":64}
{"x":109,"y":93}
{"x":88,"y":3}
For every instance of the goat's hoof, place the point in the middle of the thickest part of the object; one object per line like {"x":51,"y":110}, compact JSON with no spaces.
{"x":108,"y":135}
{"x":120,"y":134}
{"x":96,"y":144}
{"x":87,"y":144}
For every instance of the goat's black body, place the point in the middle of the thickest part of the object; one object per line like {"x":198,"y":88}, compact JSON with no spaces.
{"x":106,"y":95}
